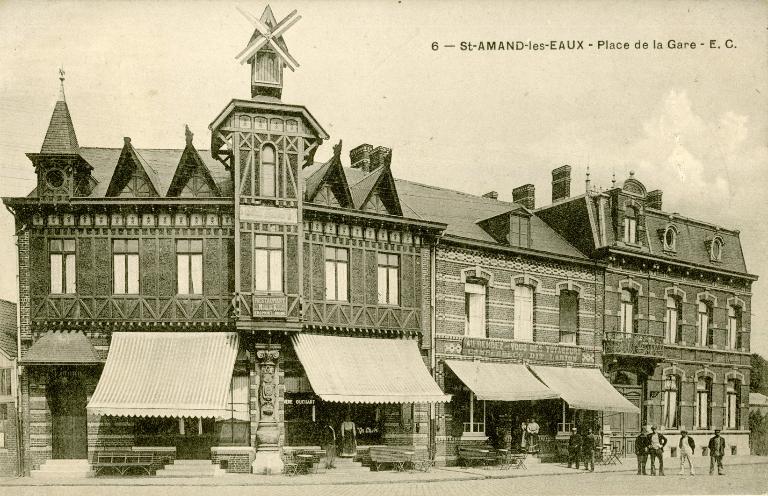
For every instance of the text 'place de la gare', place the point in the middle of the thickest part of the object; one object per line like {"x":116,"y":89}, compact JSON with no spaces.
{"x":233,"y":299}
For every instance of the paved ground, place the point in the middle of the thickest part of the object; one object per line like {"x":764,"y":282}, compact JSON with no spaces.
{"x":750,"y":477}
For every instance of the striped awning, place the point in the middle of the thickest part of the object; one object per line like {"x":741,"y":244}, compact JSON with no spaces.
{"x":166,"y":374}
{"x":584,"y":389}
{"x":366,"y":370}
{"x":500,"y":381}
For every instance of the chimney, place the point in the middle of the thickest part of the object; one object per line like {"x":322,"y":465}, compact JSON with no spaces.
{"x":494,"y":195}
{"x":525,"y":195}
{"x":360,"y":156}
{"x":381,"y":156}
{"x":653,"y":199}
{"x":561,"y":183}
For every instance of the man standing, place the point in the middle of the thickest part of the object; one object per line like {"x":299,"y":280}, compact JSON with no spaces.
{"x":687,"y":449}
{"x":716,"y":453}
{"x":574,"y":448}
{"x":656,"y":450}
{"x":641,"y":450}
{"x":533,"y":436}
{"x":588,"y":443}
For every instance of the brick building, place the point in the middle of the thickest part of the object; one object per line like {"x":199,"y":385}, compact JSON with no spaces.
{"x":676,"y":311}
{"x":9,"y":438}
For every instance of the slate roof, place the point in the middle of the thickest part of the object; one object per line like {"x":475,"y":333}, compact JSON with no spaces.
{"x":62,"y":347}
{"x":8,"y":344}
{"x":60,"y":137}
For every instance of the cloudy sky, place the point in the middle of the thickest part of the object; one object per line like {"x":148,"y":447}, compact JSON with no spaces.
{"x":691,"y":122}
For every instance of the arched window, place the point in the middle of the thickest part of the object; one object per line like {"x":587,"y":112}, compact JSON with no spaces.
{"x":267,"y":170}
{"x":630,"y":225}
{"x":716,"y":250}
{"x":628,"y":321}
{"x":674,"y":326}
{"x":474,"y":309}
{"x":670,"y":239}
{"x":732,"y":401}
{"x":703,"y":413}
{"x":670,"y":401}
{"x":569,"y":316}
{"x":734,"y":327}
{"x":523,"y":313}
{"x":706,"y":332}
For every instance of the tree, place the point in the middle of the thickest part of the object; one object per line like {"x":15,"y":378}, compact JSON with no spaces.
{"x":759,"y":376}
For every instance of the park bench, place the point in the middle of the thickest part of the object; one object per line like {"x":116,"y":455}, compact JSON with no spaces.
{"x":124,"y":461}
{"x":477,"y":455}
{"x":395,"y":456}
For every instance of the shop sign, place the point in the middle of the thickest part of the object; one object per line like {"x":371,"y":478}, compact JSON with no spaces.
{"x":534,"y":352}
{"x":299,"y":401}
{"x":269,"y":306}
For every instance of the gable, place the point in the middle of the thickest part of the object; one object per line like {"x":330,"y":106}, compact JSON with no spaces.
{"x":328,"y":185}
{"x":325,"y":196}
{"x":138,"y":185}
{"x":377,"y":192}
{"x":192,"y":178}
{"x":132,"y":175}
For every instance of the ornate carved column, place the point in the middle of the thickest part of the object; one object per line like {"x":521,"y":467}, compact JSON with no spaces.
{"x":267,"y":460}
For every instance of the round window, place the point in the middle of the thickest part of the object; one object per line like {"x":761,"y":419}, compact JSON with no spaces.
{"x":54,"y":178}
{"x":669,"y":239}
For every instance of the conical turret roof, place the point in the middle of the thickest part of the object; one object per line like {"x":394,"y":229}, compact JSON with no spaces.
{"x":60,"y":137}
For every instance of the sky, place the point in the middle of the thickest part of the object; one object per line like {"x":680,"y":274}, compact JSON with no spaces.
{"x":693,"y":123}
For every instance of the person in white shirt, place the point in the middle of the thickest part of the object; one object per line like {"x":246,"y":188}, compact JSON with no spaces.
{"x":687,"y":447}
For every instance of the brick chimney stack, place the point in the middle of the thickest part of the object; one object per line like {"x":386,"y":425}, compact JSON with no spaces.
{"x":653,"y":199}
{"x":561,"y":183}
{"x":492,"y":194}
{"x":360,"y":157}
{"x":525,"y":195}
{"x":381,"y":156}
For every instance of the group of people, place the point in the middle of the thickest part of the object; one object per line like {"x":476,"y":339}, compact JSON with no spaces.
{"x":650,"y":444}
{"x":581,"y":448}
{"x":528,"y":436}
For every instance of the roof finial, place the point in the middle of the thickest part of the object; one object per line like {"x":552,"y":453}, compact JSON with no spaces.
{"x":188,"y":134}
{"x":631,"y":174}
{"x":613,"y":179}
{"x":587,"y":181}
{"x":61,"y":84}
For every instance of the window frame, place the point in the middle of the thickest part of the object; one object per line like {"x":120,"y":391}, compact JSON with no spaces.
{"x":388,"y":268}
{"x":518,"y":321}
{"x":469,"y":296}
{"x":335,"y":262}
{"x":472,"y":432}
{"x":735,"y":316}
{"x":127,"y":254}
{"x":702,"y":407}
{"x":630,"y":225}
{"x":65,"y":284}
{"x":519,"y":230}
{"x":705,"y":328}
{"x":670,"y":230}
{"x":732,"y":399}
{"x":673,"y":331}
{"x":672,"y":383}
{"x":6,"y":381}
{"x":270,"y":251}
{"x":575,"y":333}
{"x":629,"y":303}
{"x":189,"y":252}
{"x":263,"y":164}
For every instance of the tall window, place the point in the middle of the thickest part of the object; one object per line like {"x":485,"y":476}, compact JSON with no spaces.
{"x":125,"y":265}
{"x":569,"y":316}
{"x":734,"y":327}
{"x":234,"y":431}
{"x":627,"y":312}
{"x":732,"y":400}
{"x":267,"y":170}
{"x":702,"y":409}
{"x":476,"y":424}
{"x":674,"y":325}
{"x":388,"y":274}
{"x":474,"y":310}
{"x":670,"y":401}
{"x":706,"y":333}
{"x":189,"y":266}
{"x":336,"y":274}
{"x":518,"y":233}
{"x":63,"y":275}
{"x":5,"y":382}
{"x":630,"y":225}
{"x":268,"y":258}
{"x":523,"y":313}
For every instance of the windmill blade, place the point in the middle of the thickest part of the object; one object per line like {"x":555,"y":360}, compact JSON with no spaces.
{"x":291,"y":62}
{"x":286,"y":23}
{"x":251,"y":49}
{"x":262,"y":28}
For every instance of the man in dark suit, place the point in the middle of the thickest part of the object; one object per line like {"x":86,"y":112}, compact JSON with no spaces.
{"x":656,"y":450}
{"x":574,"y":448}
{"x":588,"y":445}
{"x":641,"y":450}
{"x":716,"y":453}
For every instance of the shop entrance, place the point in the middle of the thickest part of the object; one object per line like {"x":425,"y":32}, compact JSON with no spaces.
{"x":67,"y":400}
{"x":625,"y":426}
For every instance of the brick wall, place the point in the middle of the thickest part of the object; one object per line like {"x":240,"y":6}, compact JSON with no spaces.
{"x":237,"y":459}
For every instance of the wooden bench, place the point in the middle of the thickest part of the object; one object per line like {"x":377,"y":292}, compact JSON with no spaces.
{"x":163,"y":455}
{"x":395,"y":456}
{"x":477,"y":455}
{"x":124,"y":461}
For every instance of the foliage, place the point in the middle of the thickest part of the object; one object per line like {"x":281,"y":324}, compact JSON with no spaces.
{"x":759,"y":376}
{"x":758,"y":436}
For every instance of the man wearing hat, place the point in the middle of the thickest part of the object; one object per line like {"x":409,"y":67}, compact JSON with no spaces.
{"x":687,"y":449}
{"x":641,"y":449}
{"x":574,"y":448}
{"x":656,"y":450}
{"x":716,"y":453}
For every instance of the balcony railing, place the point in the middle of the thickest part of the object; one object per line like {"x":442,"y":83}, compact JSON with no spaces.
{"x":626,"y":343}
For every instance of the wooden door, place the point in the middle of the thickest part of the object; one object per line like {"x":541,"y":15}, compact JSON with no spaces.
{"x":626,"y":426}
{"x":67,"y":400}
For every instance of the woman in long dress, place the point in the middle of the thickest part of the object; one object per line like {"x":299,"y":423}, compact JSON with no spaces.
{"x":348,"y":438}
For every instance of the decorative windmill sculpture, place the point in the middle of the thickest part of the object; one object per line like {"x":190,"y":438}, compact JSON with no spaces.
{"x":267,"y":53}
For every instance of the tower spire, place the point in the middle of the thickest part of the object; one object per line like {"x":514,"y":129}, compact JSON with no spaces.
{"x":62,"y":98}
{"x":60,"y":137}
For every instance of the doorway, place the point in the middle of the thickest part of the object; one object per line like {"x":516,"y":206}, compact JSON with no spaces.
{"x":69,"y":426}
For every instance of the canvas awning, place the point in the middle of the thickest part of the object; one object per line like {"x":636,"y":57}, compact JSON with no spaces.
{"x":366,"y":370}
{"x":584,"y":389}
{"x":500,"y":381}
{"x":61,"y":348}
{"x":166,"y":374}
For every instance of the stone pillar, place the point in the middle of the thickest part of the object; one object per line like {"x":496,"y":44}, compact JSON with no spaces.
{"x":267,"y":459}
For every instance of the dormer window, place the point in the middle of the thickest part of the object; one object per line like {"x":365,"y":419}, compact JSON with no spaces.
{"x":630,"y":225}
{"x":716,"y":249}
{"x":670,"y":239}
{"x":519,"y":230}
